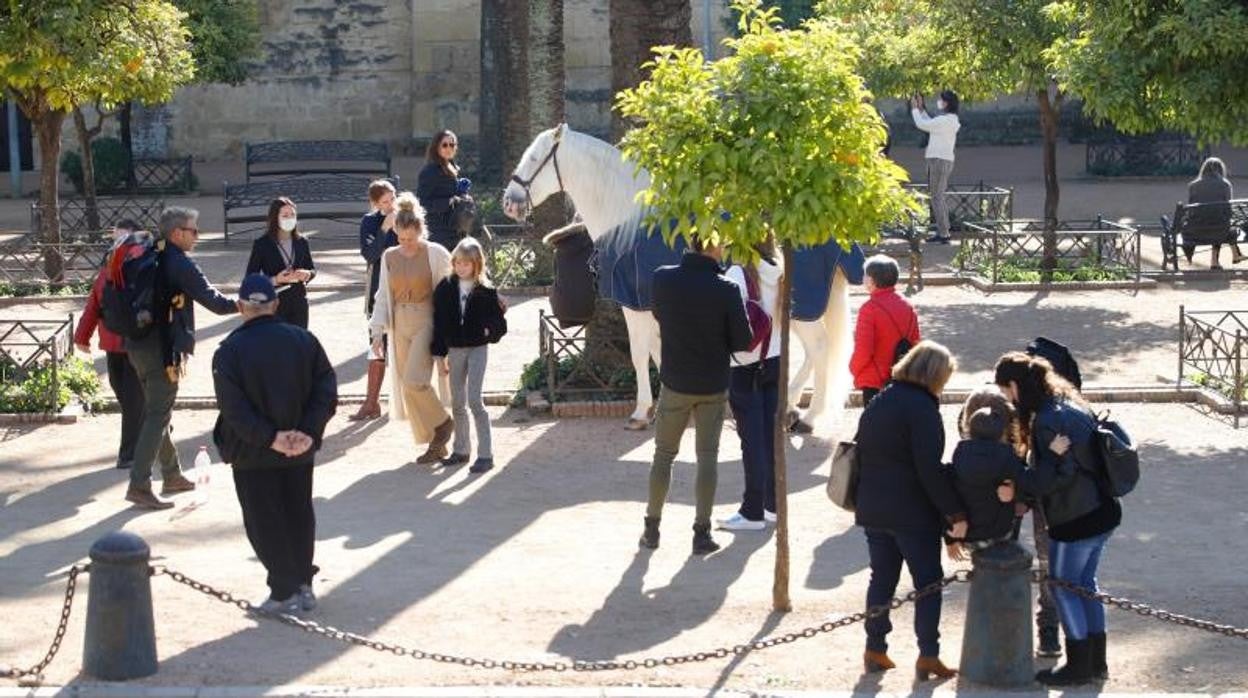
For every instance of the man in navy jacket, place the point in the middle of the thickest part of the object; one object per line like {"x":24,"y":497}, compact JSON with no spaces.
{"x":276,"y":391}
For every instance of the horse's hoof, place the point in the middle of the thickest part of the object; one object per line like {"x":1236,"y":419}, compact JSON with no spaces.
{"x":800,"y":427}
{"x":636,"y":424}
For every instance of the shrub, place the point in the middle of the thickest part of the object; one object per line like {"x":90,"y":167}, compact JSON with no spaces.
{"x":76,"y":380}
{"x":112,"y":165}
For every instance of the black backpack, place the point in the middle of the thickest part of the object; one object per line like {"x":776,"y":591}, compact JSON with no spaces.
{"x":1060,"y":357}
{"x":129,"y":303}
{"x":1119,"y":456}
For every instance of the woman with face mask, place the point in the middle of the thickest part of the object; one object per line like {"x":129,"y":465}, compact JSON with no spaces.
{"x":943,"y":132}
{"x":283,"y":254}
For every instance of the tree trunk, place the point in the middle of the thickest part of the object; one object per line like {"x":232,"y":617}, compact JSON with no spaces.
{"x":1049,"y":115}
{"x":88,"y":171}
{"x":47,"y":123}
{"x":127,"y":142}
{"x":490,"y":134}
{"x":780,"y":600}
{"x":635,"y":27}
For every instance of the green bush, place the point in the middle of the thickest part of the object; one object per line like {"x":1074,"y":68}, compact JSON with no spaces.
{"x":112,"y":165}
{"x":76,"y":380}
{"x":622,"y":382}
{"x":31,"y":288}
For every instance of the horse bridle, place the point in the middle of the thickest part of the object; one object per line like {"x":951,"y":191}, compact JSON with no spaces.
{"x":552,"y":156}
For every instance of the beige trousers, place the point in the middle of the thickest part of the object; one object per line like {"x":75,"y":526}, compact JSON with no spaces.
{"x":413,"y":333}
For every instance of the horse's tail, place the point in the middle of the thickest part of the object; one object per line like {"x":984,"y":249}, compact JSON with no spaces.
{"x":833,"y":382}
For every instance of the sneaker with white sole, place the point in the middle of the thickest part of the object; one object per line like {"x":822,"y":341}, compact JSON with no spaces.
{"x":769,"y":516}
{"x":737,"y":522}
{"x":307,"y":599}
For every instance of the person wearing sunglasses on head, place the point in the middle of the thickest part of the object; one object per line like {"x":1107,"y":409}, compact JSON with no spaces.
{"x":440,"y":189}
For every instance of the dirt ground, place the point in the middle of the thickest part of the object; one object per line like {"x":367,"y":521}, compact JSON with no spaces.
{"x":538,"y":561}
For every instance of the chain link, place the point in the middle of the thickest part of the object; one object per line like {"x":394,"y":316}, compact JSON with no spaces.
{"x":1142,"y":609}
{"x":35,"y":673}
{"x":333,"y":633}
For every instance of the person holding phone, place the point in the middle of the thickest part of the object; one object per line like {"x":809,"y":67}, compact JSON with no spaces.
{"x":943,"y":131}
{"x":284,"y":256}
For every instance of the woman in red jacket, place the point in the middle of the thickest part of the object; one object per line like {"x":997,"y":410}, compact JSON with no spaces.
{"x":121,"y":374}
{"x":887,"y":328}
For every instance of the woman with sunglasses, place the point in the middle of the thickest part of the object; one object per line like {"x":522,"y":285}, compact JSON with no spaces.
{"x":437,"y":187}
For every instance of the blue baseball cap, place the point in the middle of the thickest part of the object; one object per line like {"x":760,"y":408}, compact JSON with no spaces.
{"x":257,"y":288}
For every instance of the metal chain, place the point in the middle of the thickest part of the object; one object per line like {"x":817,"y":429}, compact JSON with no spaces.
{"x":35,"y":673}
{"x":333,"y":633}
{"x":1142,"y":609}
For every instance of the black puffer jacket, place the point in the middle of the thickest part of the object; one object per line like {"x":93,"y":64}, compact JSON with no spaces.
{"x":978,"y":467}
{"x":901,"y":483}
{"x":435,"y":188}
{"x":481,"y":323}
{"x":702,"y":319}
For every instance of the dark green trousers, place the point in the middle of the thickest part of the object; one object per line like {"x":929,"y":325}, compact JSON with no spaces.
{"x":154,"y":442}
{"x":671,"y":418}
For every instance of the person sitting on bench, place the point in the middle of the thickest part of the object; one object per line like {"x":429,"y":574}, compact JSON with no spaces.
{"x":1212,"y":187}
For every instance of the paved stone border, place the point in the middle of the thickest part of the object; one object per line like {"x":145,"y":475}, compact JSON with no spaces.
{"x":121,"y":690}
{"x":69,"y":415}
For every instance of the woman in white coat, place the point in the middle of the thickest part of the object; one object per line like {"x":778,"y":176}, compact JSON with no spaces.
{"x":403,"y":314}
{"x":943,"y":131}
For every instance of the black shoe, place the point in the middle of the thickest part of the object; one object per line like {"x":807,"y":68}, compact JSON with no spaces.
{"x":703,"y":544}
{"x":454,"y":459}
{"x":650,"y":537}
{"x":1077,"y":669}
{"x":483,"y":465}
{"x":940,"y":239}
{"x":1050,"y":642}
{"x":1100,"y":669}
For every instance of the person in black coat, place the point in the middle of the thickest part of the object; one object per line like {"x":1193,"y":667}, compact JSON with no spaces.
{"x":467,"y":318}
{"x":904,"y":500}
{"x":437,"y":188}
{"x":283,"y":255}
{"x":983,"y":461}
{"x":376,"y":236}
{"x":276,"y":391}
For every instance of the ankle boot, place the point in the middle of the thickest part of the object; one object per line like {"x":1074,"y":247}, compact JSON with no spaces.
{"x":437,"y":446}
{"x":650,"y":536}
{"x":142,"y":497}
{"x":929,"y":667}
{"x":1076,"y":670}
{"x":1050,"y":642}
{"x":371,"y":409}
{"x":874,"y":662}
{"x":1100,"y":669}
{"x":703,"y":544}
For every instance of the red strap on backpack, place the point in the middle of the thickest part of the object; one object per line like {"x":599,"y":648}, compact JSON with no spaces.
{"x":753,"y":310}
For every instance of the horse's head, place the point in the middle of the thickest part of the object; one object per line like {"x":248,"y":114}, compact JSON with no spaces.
{"x":537,"y":175}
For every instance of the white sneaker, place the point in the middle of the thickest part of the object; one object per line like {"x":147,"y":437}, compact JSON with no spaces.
{"x":769,"y":516}
{"x":737,"y":522}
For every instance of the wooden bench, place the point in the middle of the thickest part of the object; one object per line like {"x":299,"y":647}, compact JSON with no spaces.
{"x":342,"y":198}
{"x":279,"y":159}
{"x":1201,"y":224}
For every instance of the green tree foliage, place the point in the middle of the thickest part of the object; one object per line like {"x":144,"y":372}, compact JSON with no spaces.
{"x":225,"y":38}
{"x":1147,"y":66}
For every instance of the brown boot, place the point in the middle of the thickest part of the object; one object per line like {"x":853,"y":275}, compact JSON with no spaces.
{"x":874,"y":662}
{"x":371,"y":409}
{"x":143,"y":498}
{"x":929,"y":667}
{"x":437,"y":447}
{"x":174,"y":484}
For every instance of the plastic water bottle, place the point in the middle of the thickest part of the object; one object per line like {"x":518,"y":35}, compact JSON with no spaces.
{"x":203,"y":475}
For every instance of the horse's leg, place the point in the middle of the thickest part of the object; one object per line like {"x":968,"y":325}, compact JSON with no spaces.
{"x":642,"y":334}
{"x":814,"y":346}
{"x":832,"y":379}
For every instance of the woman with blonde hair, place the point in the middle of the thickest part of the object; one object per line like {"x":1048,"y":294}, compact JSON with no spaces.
{"x":905,"y":502}
{"x":403,"y":317}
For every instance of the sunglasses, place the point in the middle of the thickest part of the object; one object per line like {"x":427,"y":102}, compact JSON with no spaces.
{"x":194,"y":231}
{"x":450,"y":144}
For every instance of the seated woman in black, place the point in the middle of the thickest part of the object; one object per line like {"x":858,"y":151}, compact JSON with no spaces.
{"x":283,"y":255}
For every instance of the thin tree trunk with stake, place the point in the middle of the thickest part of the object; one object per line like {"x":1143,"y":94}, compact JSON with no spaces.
{"x":85,"y":136}
{"x":780,"y":600}
{"x":1049,"y":114}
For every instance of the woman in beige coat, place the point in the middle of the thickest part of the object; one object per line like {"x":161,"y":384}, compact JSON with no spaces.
{"x":403,"y":313}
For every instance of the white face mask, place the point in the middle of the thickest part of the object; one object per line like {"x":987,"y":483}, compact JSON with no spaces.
{"x":287,"y":224}
{"x":940,"y":104}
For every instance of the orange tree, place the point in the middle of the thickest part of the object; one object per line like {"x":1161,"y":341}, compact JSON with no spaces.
{"x":778,"y":138}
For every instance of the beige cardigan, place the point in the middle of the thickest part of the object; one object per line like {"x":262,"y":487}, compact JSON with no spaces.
{"x":382,"y":322}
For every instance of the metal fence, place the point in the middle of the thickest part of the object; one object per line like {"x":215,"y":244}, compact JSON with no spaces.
{"x":1084,"y":250}
{"x":578,"y":367}
{"x":23,"y":261}
{"x":164,"y":176}
{"x":28,"y":345}
{"x":517,"y":257}
{"x":75,"y":221}
{"x":1153,"y":154}
{"x":1212,"y":345}
{"x":968,"y":203}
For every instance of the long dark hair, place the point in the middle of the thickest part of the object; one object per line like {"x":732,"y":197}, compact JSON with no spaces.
{"x":434,"y":152}
{"x":1037,"y":383}
{"x":275,"y":211}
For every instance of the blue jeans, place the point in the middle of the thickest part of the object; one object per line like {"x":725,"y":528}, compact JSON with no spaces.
{"x":1076,"y":562}
{"x":752,"y":395}
{"x":920,"y":550}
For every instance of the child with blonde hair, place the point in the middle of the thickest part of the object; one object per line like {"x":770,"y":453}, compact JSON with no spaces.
{"x":467,"y":318}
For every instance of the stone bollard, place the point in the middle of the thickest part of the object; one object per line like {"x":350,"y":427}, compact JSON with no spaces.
{"x":120,"y":641}
{"x":996,"y":640}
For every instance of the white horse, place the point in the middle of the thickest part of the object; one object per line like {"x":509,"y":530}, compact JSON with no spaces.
{"x":603,"y":186}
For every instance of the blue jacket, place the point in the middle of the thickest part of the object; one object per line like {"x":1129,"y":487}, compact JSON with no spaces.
{"x":1065,"y":485}
{"x":373,"y":242}
{"x":901,"y":483}
{"x":184,"y":286}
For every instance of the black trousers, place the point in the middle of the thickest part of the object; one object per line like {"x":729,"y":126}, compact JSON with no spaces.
{"x":129,"y":392}
{"x":280,"y":523}
{"x":752,"y":395}
{"x":868,"y":394}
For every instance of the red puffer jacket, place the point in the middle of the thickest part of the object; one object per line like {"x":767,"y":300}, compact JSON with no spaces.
{"x":90,"y":321}
{"x":882,"y":321}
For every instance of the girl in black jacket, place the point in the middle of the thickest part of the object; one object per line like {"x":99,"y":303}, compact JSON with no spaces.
{"x":467,"y":318}
{"x":283,"y":255}
{"x":437,"y":187}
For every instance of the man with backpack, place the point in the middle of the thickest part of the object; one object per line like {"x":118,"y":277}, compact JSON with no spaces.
{"x":887,"y":328}
{"x":158,"y":349}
